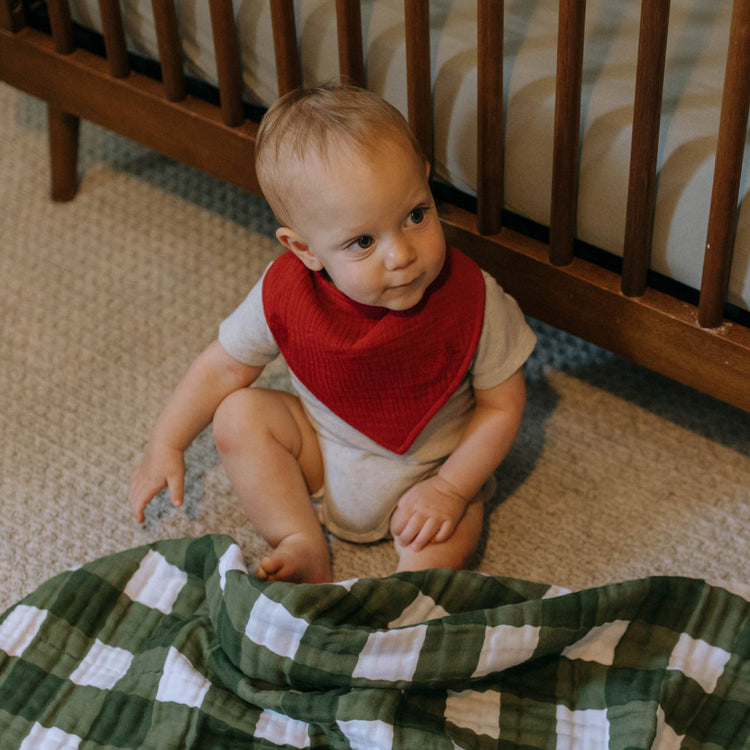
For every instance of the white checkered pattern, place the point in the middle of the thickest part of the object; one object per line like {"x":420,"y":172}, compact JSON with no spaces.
{"x":479,"y":712}
{"x":42,"y":738}
{"x":422,"y":609}
{"x":582,"y":730}
{"x":231,"y":560}
{"x":271,"y":625}
{"x":391,"y":654}
{"x":699,"y":660}
{"x":181,"y":682}
{"x":505,"y":646}
{"x":19,"y":629}
{"x":282,"y":730}
{"x":367,"y":735}
{"x":666,"y":738}
{"x":157,"y":583}
{"x":103,"y":666}
{"x":599,"y":643}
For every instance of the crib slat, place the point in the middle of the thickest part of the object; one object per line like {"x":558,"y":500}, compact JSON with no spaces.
{"x":228,"y":65}
{"x":62,"y":26}
{"x":349,"y":29}
{"x":490,"y":153}
{"x":572,"y":18}
{"x":170,"y":49}
{"x":12,"y":16}
{"x":288,"y":70}
{"x":639,"y":221}
{"x":418,"y":76}
{"x":114,"y":38}
{"x":727,"y":173}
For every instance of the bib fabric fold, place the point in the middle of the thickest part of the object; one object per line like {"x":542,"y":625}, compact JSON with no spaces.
{"x":386,"y":373}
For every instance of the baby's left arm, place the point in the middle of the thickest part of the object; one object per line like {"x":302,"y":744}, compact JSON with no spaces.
{"x":431,"y":510}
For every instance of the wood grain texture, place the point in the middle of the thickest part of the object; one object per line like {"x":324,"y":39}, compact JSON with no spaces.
{"x":644,"y":150}
{"x":566,"y":147}
{"x":288,"y":70}
{"x":349,"y":34}
{"x":170,"y":49}
{"x":114,"y":38}
{"x":228,"y":63}
{"x":490,"y":148}
{"x":418,"y":75}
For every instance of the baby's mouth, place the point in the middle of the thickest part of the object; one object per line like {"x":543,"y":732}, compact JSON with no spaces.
{"x":407,"y":284}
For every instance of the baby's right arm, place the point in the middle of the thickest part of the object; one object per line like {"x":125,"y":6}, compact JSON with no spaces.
{"x":208,"y":381}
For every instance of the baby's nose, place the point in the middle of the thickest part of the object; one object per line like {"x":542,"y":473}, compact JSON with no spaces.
{"x":399,"y":254}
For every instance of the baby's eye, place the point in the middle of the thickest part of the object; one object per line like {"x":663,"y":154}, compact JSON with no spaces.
{"x":363,"y":242}
{"x":417,"y":216}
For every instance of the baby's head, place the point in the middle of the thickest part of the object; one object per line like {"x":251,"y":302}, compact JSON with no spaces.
{"x":347,"y":182}
{"x":311,"y":129}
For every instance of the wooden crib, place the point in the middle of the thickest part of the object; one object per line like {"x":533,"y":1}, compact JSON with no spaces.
{"x":618,"y":307}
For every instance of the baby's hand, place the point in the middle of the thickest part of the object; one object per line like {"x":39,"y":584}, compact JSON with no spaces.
{"x":161,"y":467}
{"x":428,"y":512}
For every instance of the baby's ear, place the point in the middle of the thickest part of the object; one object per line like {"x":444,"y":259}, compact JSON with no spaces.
{"x":292,"y":241}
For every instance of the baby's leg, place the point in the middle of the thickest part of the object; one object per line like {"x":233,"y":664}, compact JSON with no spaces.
{"x":271,"y":455}
{"x":455,"y":552}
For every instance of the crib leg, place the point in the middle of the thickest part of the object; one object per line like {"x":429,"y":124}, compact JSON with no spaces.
{"x":63,"y":149}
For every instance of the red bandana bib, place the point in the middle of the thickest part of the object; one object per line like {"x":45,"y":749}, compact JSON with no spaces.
{"x":385,"y":373}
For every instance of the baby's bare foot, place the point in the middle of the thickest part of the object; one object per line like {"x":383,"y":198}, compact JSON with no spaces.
{"x":298,"y":559}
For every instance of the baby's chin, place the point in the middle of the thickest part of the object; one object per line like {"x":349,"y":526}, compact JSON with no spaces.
{"x":401,"y":299}
{"x":403,"y":305}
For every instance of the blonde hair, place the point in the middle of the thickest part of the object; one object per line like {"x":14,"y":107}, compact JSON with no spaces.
{"x":312,"y":126}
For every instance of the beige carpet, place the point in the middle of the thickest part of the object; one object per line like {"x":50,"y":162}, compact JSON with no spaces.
{"x":104,"y":302}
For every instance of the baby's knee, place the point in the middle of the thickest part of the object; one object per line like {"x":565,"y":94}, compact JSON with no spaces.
{"x":236,"y":418}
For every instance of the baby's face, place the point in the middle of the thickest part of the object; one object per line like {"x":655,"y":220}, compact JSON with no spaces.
{"x":371,"y":222}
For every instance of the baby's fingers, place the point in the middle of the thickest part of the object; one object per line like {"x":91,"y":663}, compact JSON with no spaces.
{"x":138,"y":498}
{"x":176,"y":486}
{"x":136,"y":508}
{"x":406,"y":532}
{"x":422,"y":533}
{"x":445,"y":532}
{"x":405,"y":524}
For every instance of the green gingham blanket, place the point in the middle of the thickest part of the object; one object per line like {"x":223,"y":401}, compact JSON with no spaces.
{"x":174,"y":645}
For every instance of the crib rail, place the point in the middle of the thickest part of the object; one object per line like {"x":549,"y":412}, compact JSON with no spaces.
{"x":349,"y":34}
{"x":650,"y":72}
{"x":489,"y":116}
{"x":228,"y":64}
{"x":530,"y":264}
{"x":566,"y":136}
{"x":649,"y":85}
{"x":644,"y":148}
{"x":563,"y":192}
{"x":288,"y":70}
{"x":729,"y":153}
{"x":605,"y":291}
{"x":76,"y":83}
{"x":549,"y":280}
{"x":114,"y":38}
{"x":170,"y":53}
{"x":418,"y":74}
{"x":62,"y":26}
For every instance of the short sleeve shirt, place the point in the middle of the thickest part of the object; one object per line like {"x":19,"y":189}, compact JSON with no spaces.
{"x":504,"y":345}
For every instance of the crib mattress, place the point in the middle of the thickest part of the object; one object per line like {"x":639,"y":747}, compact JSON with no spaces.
{"x":696,"y":56}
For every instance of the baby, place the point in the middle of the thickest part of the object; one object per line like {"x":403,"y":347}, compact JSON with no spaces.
{"x":406,"y":357}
